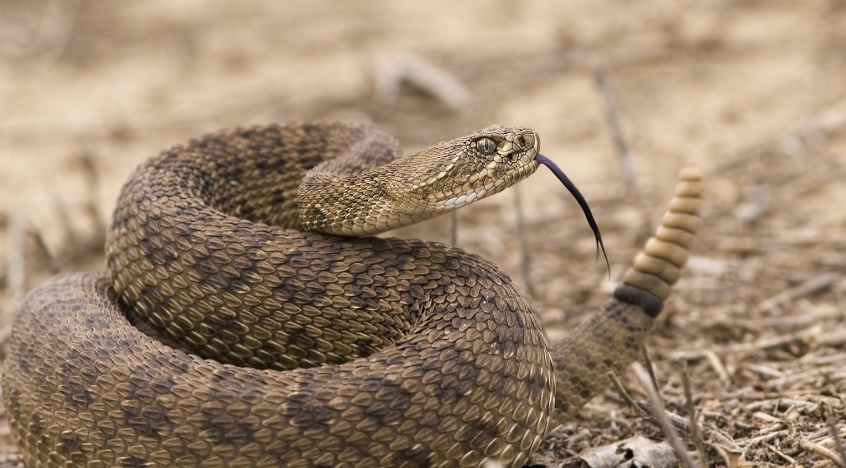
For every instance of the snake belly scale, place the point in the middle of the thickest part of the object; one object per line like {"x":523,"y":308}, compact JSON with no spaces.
{"x":362,"y":351}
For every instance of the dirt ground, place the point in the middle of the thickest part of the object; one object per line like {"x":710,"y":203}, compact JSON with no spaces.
{"x":754,"y":91}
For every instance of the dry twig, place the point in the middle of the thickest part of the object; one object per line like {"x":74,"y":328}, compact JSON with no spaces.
{"x":818,"y":449}
{"x":525,"y":250}
{"x":808,"y":287}
{"x":628,"y":399}
{"x":623,"y":153}
{"x":453,"y":228}
{"x":838,"y":443}
{"x":35,"y":232}
{"x":649,"y":368}
{"x":781,"y":454}
{"x":411,"y":69}
{"x":16,"y":267}
{"x":691,"y":413}
{"x":661,"y":415}
{"x":70,"y":237}
{"x":92,"y":180}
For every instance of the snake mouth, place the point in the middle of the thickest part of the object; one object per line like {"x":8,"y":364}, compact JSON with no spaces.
{"x":582,"y":203}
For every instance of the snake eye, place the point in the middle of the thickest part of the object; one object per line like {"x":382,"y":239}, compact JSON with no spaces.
{"x":485,"y":145}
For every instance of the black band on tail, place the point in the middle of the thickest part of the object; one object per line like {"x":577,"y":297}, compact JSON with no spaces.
{"x":638,"y":297}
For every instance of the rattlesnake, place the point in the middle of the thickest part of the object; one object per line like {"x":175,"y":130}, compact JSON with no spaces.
{"x":364,"y":351}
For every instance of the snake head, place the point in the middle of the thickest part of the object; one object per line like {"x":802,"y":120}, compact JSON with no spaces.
{"x":406,"y":190}
{"x":461,"y":171}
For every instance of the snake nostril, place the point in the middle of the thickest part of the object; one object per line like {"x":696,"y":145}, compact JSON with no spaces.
{"x":528,"y":140}
{"x":520,"y":141}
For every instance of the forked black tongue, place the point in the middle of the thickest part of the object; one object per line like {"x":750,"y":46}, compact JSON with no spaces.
{"x":582,"y":202}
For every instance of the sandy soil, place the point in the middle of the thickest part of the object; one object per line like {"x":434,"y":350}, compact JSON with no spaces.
{"x":754,"y":91}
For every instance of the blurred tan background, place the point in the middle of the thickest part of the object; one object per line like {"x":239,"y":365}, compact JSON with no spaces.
{"x":754,"y":91}
{"x":697,"y":80}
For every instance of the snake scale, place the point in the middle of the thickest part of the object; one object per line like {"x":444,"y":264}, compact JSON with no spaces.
{"x":319,"y":348}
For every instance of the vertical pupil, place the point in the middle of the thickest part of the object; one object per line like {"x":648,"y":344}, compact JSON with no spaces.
{"x":486,"y":145}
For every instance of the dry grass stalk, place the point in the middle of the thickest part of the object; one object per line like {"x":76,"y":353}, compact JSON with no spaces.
{"x":808,"y":287}
{"x":525,"y":249}
{"x":405,"y":68}
{"x":16,"y":266}
{"x":838,"y":442}
{"x":818,"y":449}
{"x":453,"y":228}
{"x":613,"y":121}
{"x":691,"y":414}
{"x":63,"y":215}
{"x":35,"y":233}
{"x":660,"y":414}
{"x":92,"y":180}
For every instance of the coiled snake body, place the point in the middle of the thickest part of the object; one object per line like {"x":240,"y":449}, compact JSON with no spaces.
{"x":362,"y":352}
